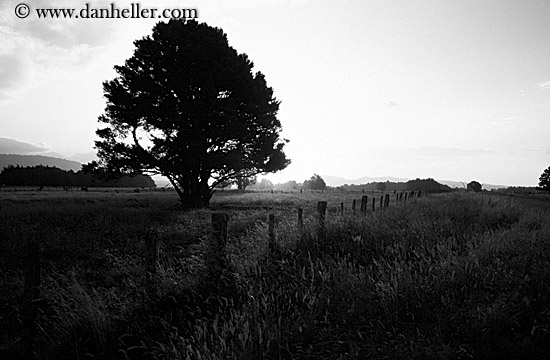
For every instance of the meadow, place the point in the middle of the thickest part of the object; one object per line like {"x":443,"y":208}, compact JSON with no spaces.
{"x":443,"y":276}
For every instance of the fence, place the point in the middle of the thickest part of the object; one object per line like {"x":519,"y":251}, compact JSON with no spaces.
{"x":219,"y":225}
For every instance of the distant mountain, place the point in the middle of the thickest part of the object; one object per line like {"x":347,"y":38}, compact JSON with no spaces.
{"x":35,"y":160}
{"x":84,"y":158}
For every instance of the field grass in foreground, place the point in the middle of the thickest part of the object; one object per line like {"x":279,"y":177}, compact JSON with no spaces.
{"x":445,"y":277}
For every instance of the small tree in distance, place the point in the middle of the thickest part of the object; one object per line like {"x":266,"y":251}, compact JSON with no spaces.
{"x":265,"y":184}
{"x":187,"y":106}
{"x":474,"y":186}
{"x":316,"y":182}
{"x":381,"y":186}
{"x":544,"y":180}
{"x":244,"y":181}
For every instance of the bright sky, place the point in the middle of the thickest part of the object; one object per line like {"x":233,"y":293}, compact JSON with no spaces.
{"x":454,"y":90}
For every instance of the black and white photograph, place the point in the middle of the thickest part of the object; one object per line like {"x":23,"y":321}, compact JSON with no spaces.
{"x":274,"y":179}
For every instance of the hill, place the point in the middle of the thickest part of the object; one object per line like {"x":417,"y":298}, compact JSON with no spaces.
{"x":36,"y":160}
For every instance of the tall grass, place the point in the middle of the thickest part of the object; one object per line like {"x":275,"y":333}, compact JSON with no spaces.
{"x":446,"y":277}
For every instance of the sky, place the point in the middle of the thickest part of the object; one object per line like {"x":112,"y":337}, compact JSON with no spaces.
{"x":451,"y":90}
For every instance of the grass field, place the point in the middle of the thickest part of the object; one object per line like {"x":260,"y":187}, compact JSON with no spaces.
{"x":447,"y":276}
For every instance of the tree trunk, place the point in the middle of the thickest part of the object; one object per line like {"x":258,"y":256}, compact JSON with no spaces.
{"x":195,"y":196}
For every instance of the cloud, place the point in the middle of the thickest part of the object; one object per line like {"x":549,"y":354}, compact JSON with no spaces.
{"x":14,"y":146}
{"x":61,"y":32}
{"x":11,"y":73}
{"x":31,"y":49}
{"x":544,"y":85}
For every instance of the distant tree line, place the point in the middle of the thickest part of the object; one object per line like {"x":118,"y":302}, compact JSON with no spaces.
{"x":52,"y":176}
{"x":411,"y":185}
{"x":316,"y":182}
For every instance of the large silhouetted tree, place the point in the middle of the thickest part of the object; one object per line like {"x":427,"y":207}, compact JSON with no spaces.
{"x":544,"y":180}
{"x":187,"y":106}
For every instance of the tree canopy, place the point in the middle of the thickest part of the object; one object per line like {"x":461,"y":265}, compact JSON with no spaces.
{"x":544,"y":180}
{"x":187,"y":106}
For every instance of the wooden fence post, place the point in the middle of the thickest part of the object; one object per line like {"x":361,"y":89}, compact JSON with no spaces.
{"x":387,"y":200}
{"x":342,"y":208}
{"x":301,"y":219}
{"x":151,"y":257}
{"x":219,"y":225}
{"x":381,"y":201}
{"x":216,"y":259}
{"x":271,"y":231}
{"x":353,"y":206}
{"x":373,"y":203}
{"x":31,"y":293}
{"x":364,"y":202}
{"x":321,"y":211}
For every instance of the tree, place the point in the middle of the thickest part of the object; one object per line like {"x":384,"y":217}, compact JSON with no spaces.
{"x":289,"y":185}
{"x":222,"y":185}
{"x":265,"y":184}
{"x":381,"y":186}
{"x":474,"y":186}
{"x":244,"y":181}
{"x":316,"y":182}
{"x":187,"y":106}
{"x":544,"y":180}
{"x":426,"y":184}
